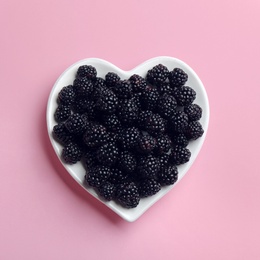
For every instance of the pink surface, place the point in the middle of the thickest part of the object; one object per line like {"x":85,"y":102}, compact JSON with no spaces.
{"x":213,"y":213}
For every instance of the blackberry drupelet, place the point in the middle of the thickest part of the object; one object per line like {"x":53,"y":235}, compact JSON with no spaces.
{"x":168,"y":175}
{"x":179,"y":155}
{"x":166,"y":106}
{"x":127,"y":162}
{"x":128,"y":138}
{"x":145,"y":144}
{"x":75,"y":124}
{"x":97,"y":175}
{"x":86,"y":71}
{"x":107,"y":154}
{"x":123,"y":89}
{"x":148,"y":166}
{"x":179,"y":121}
{"x":194,"y":130}
{"x":178,"y":77}
{"x":61,"y":134}
{"x":71,"y":153}
{"x":148,"y":187}
{"x":184,"y":95}
{"x":193,"y":111}
{"x":62,"y":113}
{"x":180,"y":139}
{"x":149,"y":98}
{"x":163,"y":144}
{"x":138,"y":83}
{"x":107,"y":102}
{"x":111,"y":79}
{"x":107,"y":190}
{"x":67,"y":95}
{"x":157,"y":75}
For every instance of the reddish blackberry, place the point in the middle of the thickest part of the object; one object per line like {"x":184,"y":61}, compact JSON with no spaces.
{"x":127,"y":195}
{"x":83,"y":87}
{"x":179,"y":121}
{"x":67,"y":95}
{"x":128,"y":112}
{"x":75,"y":124}
{"x":184,"y":95}
{"x":97,"y":175}
{"x":111,"y":122}
{"x":163,"y":144}
{"x":107,"y":154}
{"x":127,"y":162}
{"x":155,"y":124}
{"x":123,"y":89}
{"x":180,"y":139}
{"x":128,"y":138}
{"x":95,"y":136}
{"x":148,"y":166}
{"x":62,"y":113}
{"x":61,"y":134}
{"x":179,"y":155}
{"x":117,"y":176}
{"x":143,"y":116}
{"x":107,"y":190}
{"x":148,"y":187}
{"x":178,"y":77}
{"x":138,"y":83}
{"x":111,"y":79}
{"x":157,"y":75}
{"x":166,"y":106}
{"x":193,"y":111}
{"x":194,"y":130}
{"x":71,"y":153}
{"x":168,"y":175}
{"x":149,"y":98}
{"x":146,"y":143}
{"x":86,"y":71}
{"x":107,"y":102}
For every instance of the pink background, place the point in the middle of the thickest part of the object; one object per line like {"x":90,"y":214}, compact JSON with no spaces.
{"x":213,"y":213}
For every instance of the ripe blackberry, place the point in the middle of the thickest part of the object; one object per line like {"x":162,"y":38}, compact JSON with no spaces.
{"x":163,"y":144}
{"x":149,"y":98}
{"x":123,"y":89}
{"x":168,"y":175}
{"x":128,"y":138}
{"x":137,"y":100}
{"x":80,"y":105}
{"x":111,"y":79}
{"x":148,"y":187}
{"x":194,"y":130}
{"x":107,"y":102}
{"x":67,"y":95}
{"x":99,"y":82}
{"x":86,"y":71}
{"x":107,"y":190}
{"x":165,"y":88}
{"x":138,"y":83}
{"x":97,"y":175}
{"x":98,"y":91}
{"x":179,"y":155}
{"x":184,"y":95}
{"x":146,"y":143}
{"x":95,"y":136}
{"x":179,"y":121}
{"x":142,"y":117}
{"x":71,"y":153}
{"x":193,"y":111}
{"x":75,"y":124}
{"x":127,"y":195}
{"x":83,"y":87}
{"x":127,"y":162}
{"x":128,"y":112}
{"x":61,"y":134}
{"x":89,"y":159}
{"x":111,"y":122}
{"x":155,"y":124}
{"x":166,"y":106}
{"x":157,"y":75}
{"x":163,"y":160}
{"x":117,"y":176}
{"x":178,"y":77}
{"x":148,"y":166}
{"x":180,"y":139}
{"x":107,"y":154}
{"x":62,"y":113}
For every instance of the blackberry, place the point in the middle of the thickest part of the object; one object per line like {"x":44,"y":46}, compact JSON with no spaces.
{"x":178,"y":77}
{"x":61,"y":134}
{"x":117,"y":176}
{"x":148,"y":166}
{"x":107,"y":154}
{"x":127,"y":195}
{"x":137,"y":100}
{"x":81,"y":105}
{"x":168,"y":175}
{"x":194,"y":130}
{"x":97,"y":175}
{"x":95,"y":136}
{"x":128,"y":138}
{"x":127,"y":162}
{"x":155,"y":124}
{"x":91,"y":111}
{"x":146,"y":143}
{"x":180,"y":139}
{"x":107,"y":190}
{"x":111,"y":79}
{"x":179,"y":121}
{"x":163,"y":144}
{"x":179,"y":155}
{"x":83,"y":87}
{"x":71,"y":153}
{"x":184,"y":95}
{"x":193,"y":111}
{"x":149,"y":187}
{"x":128,"y":112}
{"x":67,"y":95}
{"x":62,"y":113}
{"x":138,"y":83}
{"x":86,"y":71}
{"x":142,"y":117}
{"x":89,"y":159}
{"x":111,"y":122}
{"x":123,"y":89}
{"x":149,"y":98}
{"x":99,"y":82}
{"x":166,"y":106}
{"x":75,"y":124}
{"x":165,"y":88}
{"x":163,"y":160}
{"x":107,"y":102}
{"x":99,"y":91}
{"x":157,"y":75}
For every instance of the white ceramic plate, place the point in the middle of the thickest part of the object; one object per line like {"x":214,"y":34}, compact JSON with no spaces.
{"x":78,"y":172}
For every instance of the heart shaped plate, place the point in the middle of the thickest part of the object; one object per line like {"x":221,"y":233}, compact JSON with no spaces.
{"x":77,"y":170}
